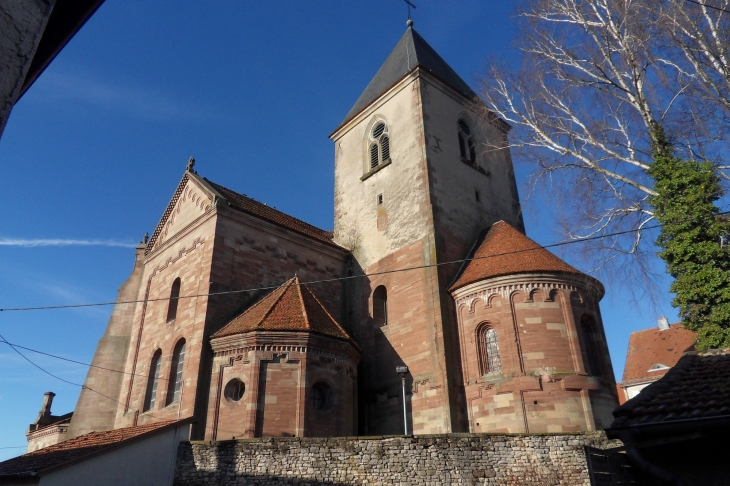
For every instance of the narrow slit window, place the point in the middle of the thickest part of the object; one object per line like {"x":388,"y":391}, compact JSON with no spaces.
{"x":380,"y":199}
{"x":588,"y":329}
{"x":477,"y":196}
{"x":152,"y":381}
{"x":380,"y":306}
{"x":174,"y":299}
{"x":176,"y":373}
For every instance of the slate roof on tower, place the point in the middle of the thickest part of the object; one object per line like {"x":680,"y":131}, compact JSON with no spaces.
{"x":507,"y":251}
{"x":411,"y":52}
{"x":291,"y":307}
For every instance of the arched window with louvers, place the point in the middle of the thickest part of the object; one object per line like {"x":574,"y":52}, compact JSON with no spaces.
{"x":174,"y":385}
{"x":153,"y":379}
{"x":379,"y":146}
{"x":467,"y":150}
{"x":490,"y":360}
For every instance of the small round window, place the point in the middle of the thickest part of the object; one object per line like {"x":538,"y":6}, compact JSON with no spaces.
{"x":234,"y":390}
{"x":320,"y":396}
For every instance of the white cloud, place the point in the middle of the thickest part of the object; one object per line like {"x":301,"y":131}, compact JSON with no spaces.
{"x":62,"y":242}
{"x":137,"y":101}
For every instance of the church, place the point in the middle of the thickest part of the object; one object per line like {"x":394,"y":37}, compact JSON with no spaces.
{"x":254,"y":323}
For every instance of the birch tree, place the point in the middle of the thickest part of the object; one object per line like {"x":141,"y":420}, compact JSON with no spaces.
{"x":597,"y":79}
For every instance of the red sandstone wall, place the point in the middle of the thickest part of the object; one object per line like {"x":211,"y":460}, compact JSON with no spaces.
{"x":279,"y":370}
{"x":543,"y":386}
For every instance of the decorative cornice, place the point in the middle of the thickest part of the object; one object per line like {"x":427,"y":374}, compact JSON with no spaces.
{"x":296,"y":350}
{"x":506,"y":286}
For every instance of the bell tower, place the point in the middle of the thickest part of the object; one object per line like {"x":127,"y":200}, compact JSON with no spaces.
{"x":417,"y":179}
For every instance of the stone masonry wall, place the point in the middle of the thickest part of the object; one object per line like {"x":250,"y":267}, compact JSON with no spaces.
{"x":543,"y":460}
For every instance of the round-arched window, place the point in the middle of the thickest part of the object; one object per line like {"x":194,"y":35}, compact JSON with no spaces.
{"x":234,"y":390}
{"x":320,"y":396}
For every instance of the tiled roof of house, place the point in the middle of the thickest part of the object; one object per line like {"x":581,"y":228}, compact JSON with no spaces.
{"x":652,"y":347}
{"x":291,"y":307}
{"x":507,"y":251}
{"x":251,"y":206}
{"x":73,"y":449}
{"x":410,"y":52}
{"x":697,"y":387}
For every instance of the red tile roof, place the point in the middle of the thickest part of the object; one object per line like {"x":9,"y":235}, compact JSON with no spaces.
{"x":251,"y":206}
{"x":506,"y":251}
{"x":56,"y":455}
{"x":291,"y":307}
{"x":654,"y":347}
{"x":697,"y":387}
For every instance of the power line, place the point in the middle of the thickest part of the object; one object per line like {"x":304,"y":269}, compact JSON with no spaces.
{"x":14,"y":447}
{"x":83,"y":387}
{"x":80,"y":362}
{"x":336,"y":279}
{"x":708,"y":6}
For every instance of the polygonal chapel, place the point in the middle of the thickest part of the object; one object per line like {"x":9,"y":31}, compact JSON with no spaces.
{"x":510,"y":340}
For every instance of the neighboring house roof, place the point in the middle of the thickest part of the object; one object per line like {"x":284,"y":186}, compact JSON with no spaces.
{"x":72,"y":450}
{"x":411,"y":52}
{"x":291,"y":307}
{"x":698,"y":387}
{"x":652,"y":347}
{"x":507,"y":251}
{"x":56,"y":420}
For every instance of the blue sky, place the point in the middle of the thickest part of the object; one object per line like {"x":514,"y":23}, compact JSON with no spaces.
{"x":96,"y":147}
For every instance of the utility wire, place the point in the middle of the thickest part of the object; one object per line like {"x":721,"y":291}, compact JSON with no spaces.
{"x":349,"y":277}
{"x":83,"y":387}
{"x":79,"y":362}
{"x":708,"y":6}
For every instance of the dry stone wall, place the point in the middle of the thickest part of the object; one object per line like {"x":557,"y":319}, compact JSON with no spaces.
{"x":543,"y":460}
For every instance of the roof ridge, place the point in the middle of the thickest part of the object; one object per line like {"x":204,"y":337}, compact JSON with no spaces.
{"x":307,"y":324}
{"x":339,"y":326}
{"x":271,"y":208}
{"x":276,"y":300}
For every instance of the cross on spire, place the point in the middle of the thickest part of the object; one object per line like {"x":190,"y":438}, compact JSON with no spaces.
{"x":410,"y":4}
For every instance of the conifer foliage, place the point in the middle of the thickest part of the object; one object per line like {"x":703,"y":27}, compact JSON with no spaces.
{"x":690,"y":242}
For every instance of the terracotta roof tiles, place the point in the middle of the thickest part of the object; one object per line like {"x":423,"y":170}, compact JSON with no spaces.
{"x":251,"y":206}
{"x":70,"y":450}
{"x":652,"y":347}
{"x":291,"y":307}
{"x":698,"y":387}
{"x":507,"y":251}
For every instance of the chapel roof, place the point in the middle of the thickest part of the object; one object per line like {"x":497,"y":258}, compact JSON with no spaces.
{"x":698,"y":387}
{"x":652,"y":347}
{"x":291,"y":307}
{"x":72,"y":450}
{"x":411,"y":52}
{"x":507,"y":251}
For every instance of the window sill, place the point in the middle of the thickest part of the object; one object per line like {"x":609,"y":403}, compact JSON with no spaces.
{"x":378,"y":168}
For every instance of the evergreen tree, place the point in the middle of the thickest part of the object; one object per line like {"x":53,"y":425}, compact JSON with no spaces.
{"x":690,"y":242}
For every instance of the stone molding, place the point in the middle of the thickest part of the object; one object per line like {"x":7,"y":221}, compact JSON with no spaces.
{"x":506,"y":286}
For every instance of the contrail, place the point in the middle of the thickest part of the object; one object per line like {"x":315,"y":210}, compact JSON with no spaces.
{"x":61,"y":242}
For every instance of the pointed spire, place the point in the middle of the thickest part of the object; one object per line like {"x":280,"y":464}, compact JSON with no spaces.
{"x":411,"y":52}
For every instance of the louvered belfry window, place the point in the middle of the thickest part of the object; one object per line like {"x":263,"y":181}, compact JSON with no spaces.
{"x":379,"y":146}
{"x":467,"y":149}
